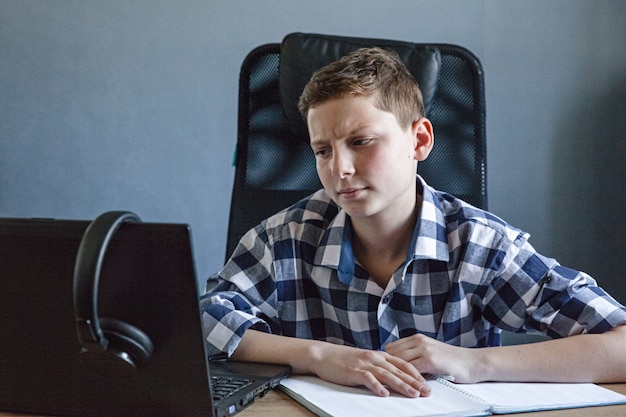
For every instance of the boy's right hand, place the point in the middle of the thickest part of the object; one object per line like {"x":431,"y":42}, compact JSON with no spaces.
{"x":376,"y":370}
{"x":344,"y":365}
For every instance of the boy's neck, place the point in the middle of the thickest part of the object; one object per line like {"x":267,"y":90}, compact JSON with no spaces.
{"x":382,"y":248}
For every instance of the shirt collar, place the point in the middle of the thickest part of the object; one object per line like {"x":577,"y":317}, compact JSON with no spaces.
{"x":333,"y":242}
{"x":429,"y":237}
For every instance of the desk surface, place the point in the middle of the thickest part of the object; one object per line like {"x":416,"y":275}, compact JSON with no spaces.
{"x":276,"y":403}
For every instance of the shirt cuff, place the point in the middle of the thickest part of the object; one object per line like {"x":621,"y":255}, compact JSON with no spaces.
{"x":224,"y":335}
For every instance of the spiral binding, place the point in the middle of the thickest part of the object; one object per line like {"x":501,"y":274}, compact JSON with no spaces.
{"x":451,"y":385}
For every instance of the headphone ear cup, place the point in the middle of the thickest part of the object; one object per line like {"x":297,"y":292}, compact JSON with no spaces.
{"x":128,"y":349}
{"x":127,"y":341}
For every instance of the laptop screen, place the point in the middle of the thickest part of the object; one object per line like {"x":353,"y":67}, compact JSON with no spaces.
{"x":147,"y":280}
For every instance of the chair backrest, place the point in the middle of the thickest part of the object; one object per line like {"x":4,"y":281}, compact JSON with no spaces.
{"x":275,"y":166}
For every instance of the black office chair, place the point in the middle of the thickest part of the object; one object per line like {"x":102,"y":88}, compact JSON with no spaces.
{"x":275,"y":167}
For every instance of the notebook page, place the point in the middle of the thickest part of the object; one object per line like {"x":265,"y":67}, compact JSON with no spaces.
{"x":327,"y":399}
{"x":508,"y":397}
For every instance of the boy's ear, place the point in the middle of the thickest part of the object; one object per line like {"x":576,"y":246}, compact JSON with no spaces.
{"x":422,"y":131}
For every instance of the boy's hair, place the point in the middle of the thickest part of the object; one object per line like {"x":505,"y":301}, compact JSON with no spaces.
{"x":369,"y":72}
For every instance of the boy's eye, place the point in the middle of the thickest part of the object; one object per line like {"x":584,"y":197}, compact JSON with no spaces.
{"x":361,"y":141}
{"x":321,"y":152}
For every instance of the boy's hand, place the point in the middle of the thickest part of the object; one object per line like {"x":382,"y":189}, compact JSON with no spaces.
{"x":428,"y":355}
{"x":378,"y":371}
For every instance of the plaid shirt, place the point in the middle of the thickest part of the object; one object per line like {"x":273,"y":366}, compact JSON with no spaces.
{"x":468,"y":274}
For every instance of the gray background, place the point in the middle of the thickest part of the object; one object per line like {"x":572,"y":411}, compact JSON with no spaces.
{"x":131,"y":104}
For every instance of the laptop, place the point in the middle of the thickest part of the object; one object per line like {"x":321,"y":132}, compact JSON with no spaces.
{"x":147,"y":279}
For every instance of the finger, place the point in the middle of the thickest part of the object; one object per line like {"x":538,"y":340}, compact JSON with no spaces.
{"x":408,"y":368}
{"x":373,"y":384}
{"x":407,"y":387}
{"x":404,"y":379}
{"x":400,"y":345}
{"x":409,"y":349}
{"x":405,"y":356}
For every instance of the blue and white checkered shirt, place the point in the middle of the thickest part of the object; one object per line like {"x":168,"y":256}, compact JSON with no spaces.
{"x":468,"y":274}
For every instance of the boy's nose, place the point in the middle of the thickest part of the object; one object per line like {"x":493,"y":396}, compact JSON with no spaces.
{"x":342,"y":164}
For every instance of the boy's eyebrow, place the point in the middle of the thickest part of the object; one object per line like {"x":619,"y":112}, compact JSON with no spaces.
{"x":358,"y":131}
{"x":317,"y":142}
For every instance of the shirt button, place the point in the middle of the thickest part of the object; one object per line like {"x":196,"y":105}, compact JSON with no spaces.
{"x":387,"y":299}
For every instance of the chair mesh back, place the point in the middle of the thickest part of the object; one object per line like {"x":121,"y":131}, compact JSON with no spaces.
{"x":274,"y":169}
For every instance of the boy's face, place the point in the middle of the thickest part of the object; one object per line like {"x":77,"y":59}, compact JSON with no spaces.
{"x":366,"y":162}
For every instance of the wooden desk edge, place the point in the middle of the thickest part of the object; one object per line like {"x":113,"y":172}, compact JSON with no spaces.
{"x":277,"y":403}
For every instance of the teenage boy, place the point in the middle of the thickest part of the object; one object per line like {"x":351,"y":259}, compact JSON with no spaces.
{"x":378,"y":278}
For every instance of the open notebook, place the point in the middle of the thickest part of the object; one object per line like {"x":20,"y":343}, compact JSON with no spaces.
{"x":447,"y":399}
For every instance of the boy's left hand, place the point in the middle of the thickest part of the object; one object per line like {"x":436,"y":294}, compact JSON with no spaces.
{"x":432,"y":356}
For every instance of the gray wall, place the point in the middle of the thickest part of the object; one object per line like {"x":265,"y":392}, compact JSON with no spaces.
{"x":128,"y":104}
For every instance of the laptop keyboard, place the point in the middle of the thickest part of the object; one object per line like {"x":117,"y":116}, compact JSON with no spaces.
{"x":223,"y":386}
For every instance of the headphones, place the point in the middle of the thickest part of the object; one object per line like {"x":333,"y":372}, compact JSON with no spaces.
{"x":110,"y":346}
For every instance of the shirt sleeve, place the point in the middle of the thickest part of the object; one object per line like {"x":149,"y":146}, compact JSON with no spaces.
{"x":241,"y":296}
{"x":535,"y":294}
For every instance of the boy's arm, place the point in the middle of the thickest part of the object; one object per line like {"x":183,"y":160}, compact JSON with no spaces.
{"x":599,"y":358}
{"x":376,"y":370}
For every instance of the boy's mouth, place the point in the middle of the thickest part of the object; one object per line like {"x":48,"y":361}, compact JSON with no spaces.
{"x":350,"y":192}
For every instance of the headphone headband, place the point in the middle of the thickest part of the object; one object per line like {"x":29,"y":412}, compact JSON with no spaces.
{"x":87,"y":275}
